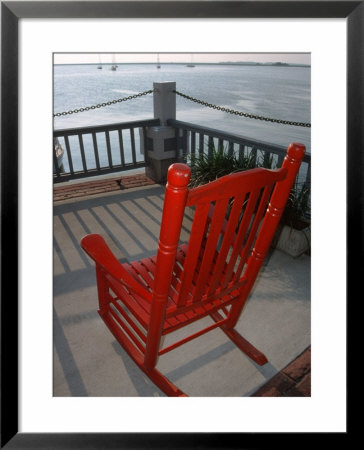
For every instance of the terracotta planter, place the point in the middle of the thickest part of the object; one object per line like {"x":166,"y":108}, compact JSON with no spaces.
{"x":292,"y":241}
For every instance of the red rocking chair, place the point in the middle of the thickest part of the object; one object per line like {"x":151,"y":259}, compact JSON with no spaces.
{"x":235,"y":218}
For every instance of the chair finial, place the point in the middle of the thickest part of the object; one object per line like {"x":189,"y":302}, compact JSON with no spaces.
{"x":179,"y":175}
{"x":296,"y":151}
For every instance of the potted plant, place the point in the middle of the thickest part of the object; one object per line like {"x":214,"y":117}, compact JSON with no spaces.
{"x":206,"y":167}
{"x":294,"y":231}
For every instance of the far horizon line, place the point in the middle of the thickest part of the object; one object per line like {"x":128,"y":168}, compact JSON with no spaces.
{"x":247,"y":63}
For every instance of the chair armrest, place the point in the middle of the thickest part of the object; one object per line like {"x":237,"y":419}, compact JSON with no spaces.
{"x":97,"y":249}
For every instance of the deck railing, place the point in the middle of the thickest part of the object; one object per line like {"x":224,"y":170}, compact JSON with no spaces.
{"x":104,"y":149}
{"x":99,"y":150}
{"x":196,"y":140}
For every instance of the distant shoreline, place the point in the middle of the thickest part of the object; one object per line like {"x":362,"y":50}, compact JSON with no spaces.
{"x":254,"y":64}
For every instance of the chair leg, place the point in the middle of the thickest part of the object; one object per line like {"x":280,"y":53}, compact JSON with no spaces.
{"x":244,"y":345}
{"x":164,"y":383}
{"x":155,"y":376}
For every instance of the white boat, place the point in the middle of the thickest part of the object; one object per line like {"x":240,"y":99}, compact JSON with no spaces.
{"x":191,"y":63}
{"x":59,"y":151}
{"x":114,"y":66}
{"x":100,"y":65}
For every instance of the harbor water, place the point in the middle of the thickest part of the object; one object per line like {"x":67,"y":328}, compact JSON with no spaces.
{"x":278,"y":92}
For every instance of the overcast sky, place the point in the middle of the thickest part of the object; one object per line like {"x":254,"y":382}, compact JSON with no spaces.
{"x":82,"y":58}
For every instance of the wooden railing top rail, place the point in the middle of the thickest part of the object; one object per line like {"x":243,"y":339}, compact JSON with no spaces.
{"x":106,"y":127}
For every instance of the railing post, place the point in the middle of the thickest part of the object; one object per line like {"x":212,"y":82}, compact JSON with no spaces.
{"x":161,"y":143}
{"x":164,"y":101}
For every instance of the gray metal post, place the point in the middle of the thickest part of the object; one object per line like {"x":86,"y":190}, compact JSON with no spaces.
{"x":164,"y":101}
{"x":161,"y":140}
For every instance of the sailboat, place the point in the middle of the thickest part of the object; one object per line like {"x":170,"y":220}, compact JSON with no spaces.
{"x":114,"y":66}
{"x":191,"y":63}
{"x":158,"y":64}
{"x":100,"y":65}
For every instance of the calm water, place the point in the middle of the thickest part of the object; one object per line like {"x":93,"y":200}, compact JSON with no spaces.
{"x":277,"y":92}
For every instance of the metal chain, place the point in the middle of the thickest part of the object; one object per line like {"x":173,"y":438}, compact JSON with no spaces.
{"x":201,"y":102}
{"x":239,"y":113}
{"x":101,"y":105}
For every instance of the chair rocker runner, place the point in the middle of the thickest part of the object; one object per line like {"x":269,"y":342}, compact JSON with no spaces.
{"x":235,"y":218}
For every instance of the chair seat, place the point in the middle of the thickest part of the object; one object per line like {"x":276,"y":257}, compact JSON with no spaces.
{"x":176,"y":317}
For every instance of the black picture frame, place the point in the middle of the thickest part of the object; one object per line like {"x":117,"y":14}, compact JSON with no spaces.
{"x":11,"y":12}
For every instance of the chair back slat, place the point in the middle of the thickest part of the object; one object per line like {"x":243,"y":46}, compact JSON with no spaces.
{"x":212,"y":235}
{"x":191,"y":261}
{"x":246,"y":249}
{"x":229,"y":235}
{"x":240,"y":237}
